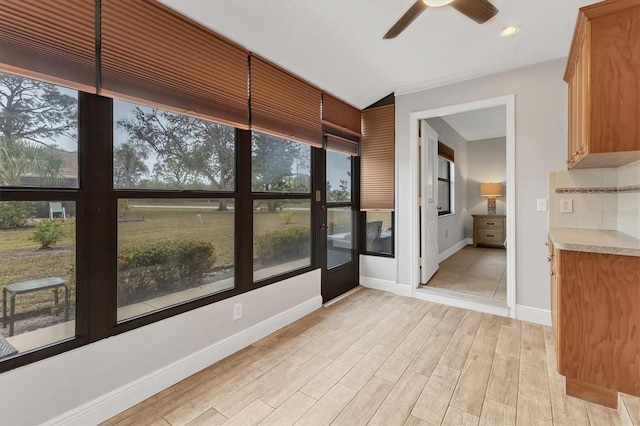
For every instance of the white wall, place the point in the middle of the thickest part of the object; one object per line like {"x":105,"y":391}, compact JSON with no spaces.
{"x":487,"y":163}
{"x":380,"y":273}
{"x":541,"y":145}
{"x":99,"y":380}
{"x":452,"y":228}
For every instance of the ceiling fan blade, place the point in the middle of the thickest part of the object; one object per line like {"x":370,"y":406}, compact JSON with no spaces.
{"x":414,"y":11}
{"x":478,"y":10}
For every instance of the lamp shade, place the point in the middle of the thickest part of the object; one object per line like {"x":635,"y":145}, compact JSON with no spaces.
{"x":490,"y":189}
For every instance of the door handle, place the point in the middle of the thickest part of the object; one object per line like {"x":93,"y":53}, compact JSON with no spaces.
{"x":323,"y":227}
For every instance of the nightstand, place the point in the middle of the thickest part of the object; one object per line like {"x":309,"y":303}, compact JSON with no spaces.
{"x":489,"y":230}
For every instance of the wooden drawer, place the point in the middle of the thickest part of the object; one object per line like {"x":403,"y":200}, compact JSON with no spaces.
{"x":490,"y":237}
{"x":497,"y":223}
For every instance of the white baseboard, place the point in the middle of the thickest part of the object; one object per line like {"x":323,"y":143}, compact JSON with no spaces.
{"x":112,"y":403}
{"x":454,"y":249}
{"x":531,"y":314}
{"x":384,"y":285}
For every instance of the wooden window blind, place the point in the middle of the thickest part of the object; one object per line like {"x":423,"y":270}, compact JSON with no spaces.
{"x":346,"y":146}
{"x":283,"y":104}
{"x":340,"y":115}
{"x":377,"y":159}
{"x":49,"y":40}
{"x":445,"y":152}
{"x":153,"y":55}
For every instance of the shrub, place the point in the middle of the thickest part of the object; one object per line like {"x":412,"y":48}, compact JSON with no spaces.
{"x":15,"y":214}
{"x":283,"y":245}
{"x":287,"y":216}
{"x":162,"y":267}
{"x":48,"y":233}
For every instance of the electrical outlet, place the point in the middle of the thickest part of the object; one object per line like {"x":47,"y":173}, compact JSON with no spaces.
{"x":566,"y":205}
{"x":542,"y":204}
{"x":237,"y":311}
{"x":446,"y":233}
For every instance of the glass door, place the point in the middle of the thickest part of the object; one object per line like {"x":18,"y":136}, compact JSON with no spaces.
{"x":338,"y":221}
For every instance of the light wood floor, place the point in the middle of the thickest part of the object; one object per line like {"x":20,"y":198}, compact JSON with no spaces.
{"x":382,"y":359}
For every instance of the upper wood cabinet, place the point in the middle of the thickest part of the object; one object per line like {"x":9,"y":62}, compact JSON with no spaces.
{"x":603,"y":73}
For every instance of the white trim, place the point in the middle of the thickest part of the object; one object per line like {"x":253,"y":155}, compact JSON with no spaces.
{"x":454,"y":249}
{"x":118,"y":400}
{"x":511,"y":204}
{"x":468,"y":75}
{"x":384,"y":285}
{"x":531,"y":314}
{"x":509,"y":102}
{"x":461,"y":300}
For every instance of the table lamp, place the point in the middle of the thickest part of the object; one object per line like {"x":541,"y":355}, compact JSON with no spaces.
{"x":491,"y":191}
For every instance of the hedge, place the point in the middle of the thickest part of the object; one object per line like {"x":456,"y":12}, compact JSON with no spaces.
{"x":283,"y":245}
{"x":162,"y":268}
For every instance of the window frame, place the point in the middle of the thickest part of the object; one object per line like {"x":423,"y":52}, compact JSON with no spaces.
{"x":450,"y":187}
{"x":252,"y":196}
{"x":363,"y":233}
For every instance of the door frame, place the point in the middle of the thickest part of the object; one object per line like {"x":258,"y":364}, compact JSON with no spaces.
{"x":508,"y":102}
{"x":351,"y":270}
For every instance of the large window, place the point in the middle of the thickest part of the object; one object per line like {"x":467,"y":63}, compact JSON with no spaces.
{"x":281,"y":187}
{"x":38,"y":128}
{"x":161,"y":150}
{"x":172,"y":250}
{"x":39,"y":204}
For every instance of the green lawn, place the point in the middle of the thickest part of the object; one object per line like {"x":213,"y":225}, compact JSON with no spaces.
{"x":139,"y":226}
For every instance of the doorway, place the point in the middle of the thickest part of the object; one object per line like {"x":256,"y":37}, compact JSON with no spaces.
{"x":445,"y":275}
{"x":337,"y":180}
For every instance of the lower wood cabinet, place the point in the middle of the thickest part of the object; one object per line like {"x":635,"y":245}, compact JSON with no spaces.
{"x":489,"y":230}
{"x":595,"y":309}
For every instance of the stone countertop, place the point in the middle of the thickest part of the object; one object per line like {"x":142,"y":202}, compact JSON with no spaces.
{"x":595,"y":241}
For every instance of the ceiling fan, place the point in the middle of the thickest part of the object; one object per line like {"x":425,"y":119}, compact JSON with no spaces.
{"x":478,"y":10}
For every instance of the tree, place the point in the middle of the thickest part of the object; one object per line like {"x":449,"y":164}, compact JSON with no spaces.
{"x":129,"y":166}
{"x":32,"y":112}
{"x":190,"y":152}
{"x":19,"y":158}
{"x":278,"y":165}
{"x":340,"y":195}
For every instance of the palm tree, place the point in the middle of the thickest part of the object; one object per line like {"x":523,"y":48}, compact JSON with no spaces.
{"x":19,"y":159}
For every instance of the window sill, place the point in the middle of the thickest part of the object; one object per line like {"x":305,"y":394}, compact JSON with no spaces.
{"x":446,"y":215}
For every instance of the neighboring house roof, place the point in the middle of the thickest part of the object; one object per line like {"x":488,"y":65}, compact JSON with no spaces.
{"x":70,"y":163}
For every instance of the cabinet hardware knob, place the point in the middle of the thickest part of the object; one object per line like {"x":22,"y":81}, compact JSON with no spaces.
{"x":548,"y":258}
{"x":546,"y":243}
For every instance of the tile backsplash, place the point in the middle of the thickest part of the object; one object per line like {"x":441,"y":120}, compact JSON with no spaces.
{"x":601,"y":198}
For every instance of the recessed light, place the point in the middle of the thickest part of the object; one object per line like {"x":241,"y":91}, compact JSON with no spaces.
{"x":510,"y":30}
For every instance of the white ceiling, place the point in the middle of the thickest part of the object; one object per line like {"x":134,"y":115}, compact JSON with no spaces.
{"x":338,"y":46}
{"x":480,"y":124}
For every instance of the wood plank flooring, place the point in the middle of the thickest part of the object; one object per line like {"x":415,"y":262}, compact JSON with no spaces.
{"x":380,"y":359}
